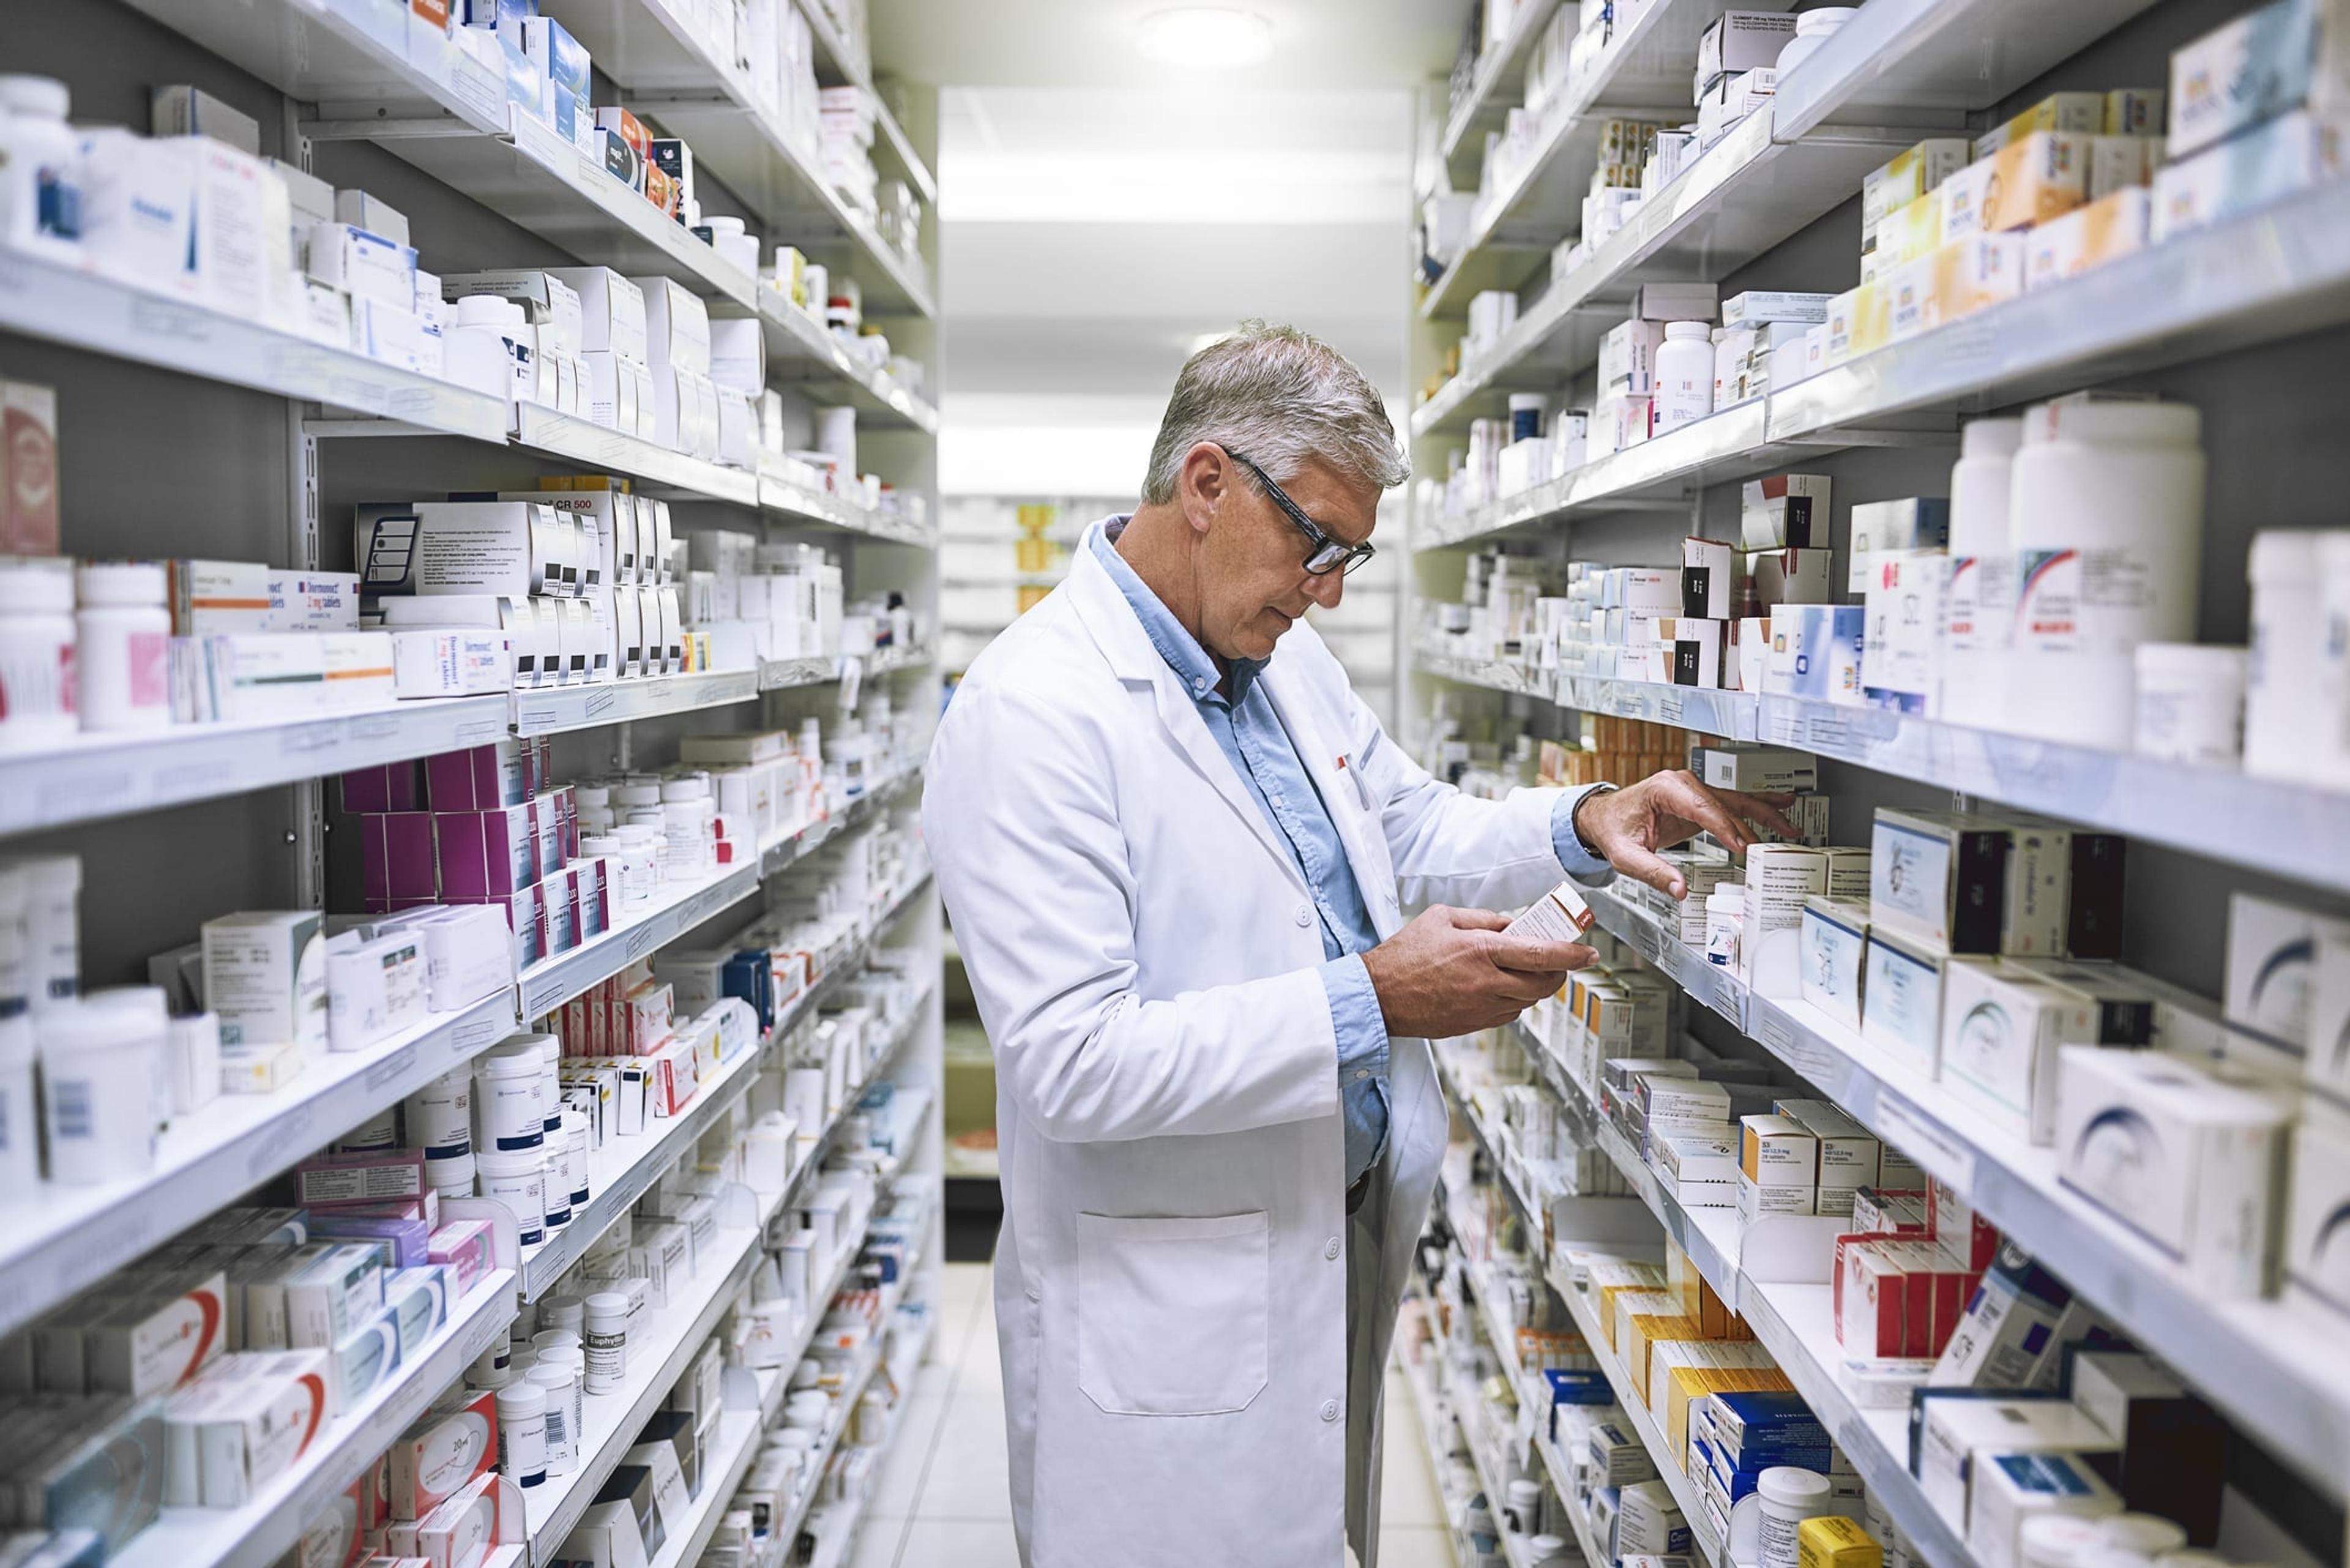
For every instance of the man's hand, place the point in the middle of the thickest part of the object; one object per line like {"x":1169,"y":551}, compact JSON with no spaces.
{"x":1451,"y":972}
{"x":1629,"y":825}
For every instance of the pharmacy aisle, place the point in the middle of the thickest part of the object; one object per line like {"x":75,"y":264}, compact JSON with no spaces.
{"x":1905,"y":422}
{"x":470,"y":1022}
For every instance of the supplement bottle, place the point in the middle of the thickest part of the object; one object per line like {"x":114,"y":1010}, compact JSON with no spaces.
{"x":1684,"y":375}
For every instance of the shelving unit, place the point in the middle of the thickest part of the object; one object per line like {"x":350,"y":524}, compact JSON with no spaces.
{"x":185,"y":432}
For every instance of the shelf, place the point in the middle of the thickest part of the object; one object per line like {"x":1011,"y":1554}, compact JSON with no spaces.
{"x":782,"y":674}
{"x":109,"y":773}
{"x":797,"y":339}
{"x":1747,"y":195}
{"x":60,"y":1240}
{"x":544,"y":432}
{"x":340,"y":51}
{"x":800,"y":504}
{"x":671,"y":914}
{"x":837,"y":63}
{"x":658,"y":1355}
{"x":827,"y":1527}
{"x":1496,"y":84}
{"x":2295,"y":831}
{"x":804,"y":840}
{"x":732,"y":1447}
{"x":1645,"y":74}
{"x":550,"y":711}
{"x":62,"y":303}
{"x":2240,"y":1354}
{"x":267,"y":1528}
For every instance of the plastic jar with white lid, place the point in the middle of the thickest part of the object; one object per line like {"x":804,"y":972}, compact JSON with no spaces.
{"x":560,"y":1386}
{"x":1813,"y":28}
{"x":1523,"y":1511}
{"x":378,"y":1133}
{"x":2148,"y":1533}
{"x":1549,"y":1551}
{"x":2288,"y":646}
{"x":564,"y":1311}
{"x":122,"y":657}
{"x":36,"y":655}
{"x":516,"y":1178}
{"x":441,"y":1116}
{"x":1529,"y":416}
{"x":508,"y":1082}
{"x":522,"y":1433}
{"x":1978,"y":599}
{"x":2106,"y":507}
{"x":2055,"y":1540}
{"x":635,"y":792}
{"x":452,"y":1177}
{"x":2332,"y":720}
{"x":40,"y":192}
{"x":147,"y":1004}
{"x":494,"y":1368}
{"x":99,"y":1068}
{"x":2191,"y":703}
{"x":549,"y":1048}
{"x":1725,"y":920}
{"x":1790,"y":1495}
{"x":1684,"y":375}
{"x":607,"y":1348}
{"x":547,"y":1339}
{"x":575,"y":1158}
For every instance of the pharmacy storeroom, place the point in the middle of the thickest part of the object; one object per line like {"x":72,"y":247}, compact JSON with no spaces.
{"x":1114,"y":784}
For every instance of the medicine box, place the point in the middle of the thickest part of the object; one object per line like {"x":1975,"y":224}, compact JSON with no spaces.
{"x":2088,"y":237}
{"x":1770,"y":770}
{"x":2001,"y":1031}
{"x":2080,"y":112}
{"x":1901,"y":651}
{"x":1786,"y":510}
{"x":1949,"y":1427}
{"x":1940,"y":876}
{"x":1905,"y":178}
{"x":2280,"y":56}
{"x":2271,"y":968}
{"x":1902,"y":999}
{"x":1917,"y":522}
{"x":265,"y":978}
{"x":1815,"y":652}
{"x":2189,"y":1162}
{"x":1835,"y":951}
{"x":2007,"y":1489}
{"x":1790,"y":577}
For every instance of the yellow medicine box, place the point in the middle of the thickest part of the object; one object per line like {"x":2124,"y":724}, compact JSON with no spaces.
{"x":2081,"y":111}
{"x":1832,"y":1540}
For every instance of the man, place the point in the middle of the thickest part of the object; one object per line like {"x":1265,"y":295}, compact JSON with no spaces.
{"x":1176,"y":848}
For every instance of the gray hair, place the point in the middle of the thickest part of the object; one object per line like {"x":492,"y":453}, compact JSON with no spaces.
{"x":1278,"y":396}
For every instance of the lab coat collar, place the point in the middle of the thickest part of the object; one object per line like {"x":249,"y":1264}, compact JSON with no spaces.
{"x":1119,"y":632}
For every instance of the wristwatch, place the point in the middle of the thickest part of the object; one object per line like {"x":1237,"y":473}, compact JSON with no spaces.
{"x":1574,"y":818}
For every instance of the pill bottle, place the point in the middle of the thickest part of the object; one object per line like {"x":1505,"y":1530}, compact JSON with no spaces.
{"x":40,"y":189}
{"x":1522,"y":1512}
{"x":1725,"y":919}
{"x":1731,"y":345}
{"x":2149,"y":1534}
{"x":36,"y":655}
{"x":2106,"y":506}
{"x":453,"y":1176}
{"x":606,"y":1346}
{"x":123,"y":659}
{"x":100,"y":1062}
{"x":1813,"y":28}
{"x":1529,"y":412}
{"x":378,"y":1133}
{"x":547,"y":1339}
{"x":1978,"y":599}
{"x":2055,"y":1540}
{"x":494,"y":1368}
{"x":507,"y":1087}
{"x":559,"y":1386}
{"x":2191,"y":703}
{"x":1790,"y":1496}
{"x":518,"y":1180}
{"x":522,"y":1433}
{"x":563,"y":1312}
{"x":2288,"y":645}
{"x":439,"y":1116}
{"x":1684,"y":370}
{"x":1549,"y":1551}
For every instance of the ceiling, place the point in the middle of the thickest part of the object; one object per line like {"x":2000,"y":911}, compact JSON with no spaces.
{"x":1092,"y":43}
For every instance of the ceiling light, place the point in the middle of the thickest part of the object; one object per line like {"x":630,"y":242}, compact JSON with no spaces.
{"x":1207,"y":35}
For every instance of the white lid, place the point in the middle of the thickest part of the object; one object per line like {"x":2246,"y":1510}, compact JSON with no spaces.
{"x":488,"y":310}
{"x":606,"y":1305}
{"x":570,"y":1357}
{"x":592,"y":794}
{"x":451,"y":1175}
{"x":724,"y":226}
{"x":636,"y":794}
{"x":1688,"y":331}
{"x":2104,"y":422}
{"x":1990,"y":437}
{"x":691,"y":787}
{"x":562,"y":1309}
{"x":552,"y":1374}
{"x":498,"y":1162}
{"x":120,"y":583}
{"x":516,"y":1400}
{"x":575,"y":1124}
{"x":599,"y":844}
{"x":36,"y":587}
{"x":1790,"y":1486}
{"x":39,"y":98}
{"x":547,"y":1339}
{"x":2289,"y":554}
{"x":2204,"y":660}
{"x":502,"y":1062}
{"x":141,"y":1001}
{"x":2149,"y":1533}
{"x":1518,"y":402}
{"x":1525,"y":1489}
{"x":1826,"y":19}
{"x":2055,"y":1540}
{"x":77,"y":1027}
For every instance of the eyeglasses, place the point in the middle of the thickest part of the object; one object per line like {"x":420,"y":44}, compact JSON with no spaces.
{"x":1324,"y":555}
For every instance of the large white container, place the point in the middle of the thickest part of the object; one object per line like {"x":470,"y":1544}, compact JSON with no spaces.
{"x":1684,"y":372}
{"x":2288,"y":646}
{"x":1979,"y":599}
{"x":124,"y":660}
{"x":2106,"y":506}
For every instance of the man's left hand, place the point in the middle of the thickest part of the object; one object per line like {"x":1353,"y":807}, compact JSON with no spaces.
{"x":1629,"y":825}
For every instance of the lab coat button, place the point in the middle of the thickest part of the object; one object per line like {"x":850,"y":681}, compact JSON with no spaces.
{"x":1330,"y":1410}
{"x":1305,"y":915}
{"x":1330,"y":1247}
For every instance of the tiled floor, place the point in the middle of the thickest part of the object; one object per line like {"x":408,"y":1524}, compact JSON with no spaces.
{"x":942,"y":1499}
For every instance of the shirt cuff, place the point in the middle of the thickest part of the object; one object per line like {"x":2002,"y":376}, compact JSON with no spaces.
{"x":1591,"y":870}
{"x":1355,"y":1016}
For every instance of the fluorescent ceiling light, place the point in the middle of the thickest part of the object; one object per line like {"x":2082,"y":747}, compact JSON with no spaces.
{"x":1207,"y":35}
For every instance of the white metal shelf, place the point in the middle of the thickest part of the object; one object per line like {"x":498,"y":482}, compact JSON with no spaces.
{"x":265,"y":1530}
{"x":797,"y":504}
{"x":836,"y":1528}
{"x":60,"y":1240}
{"x":63,"y":303}
{"x":732,"y":1448}
{"x":808,"y":837}
{"x":1494,"y":83}
{"x":552,"y":982}
{"x":2292,"y":830}
{"x":108,"y":773}
{"x":543,"y":711}
{"x":341,"y":51}
{"x":797,"y":339}
{"x":2249,"y":1357}
{"x":547,"y":433}
{"x":1645,"y":74}
{"x":894,"y":149}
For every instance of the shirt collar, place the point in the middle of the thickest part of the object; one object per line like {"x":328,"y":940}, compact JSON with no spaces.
{"x":1178,"y":647}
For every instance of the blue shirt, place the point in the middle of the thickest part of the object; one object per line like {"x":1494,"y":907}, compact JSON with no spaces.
{"x":1249,"y":732}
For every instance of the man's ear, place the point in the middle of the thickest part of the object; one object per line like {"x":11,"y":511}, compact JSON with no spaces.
{"x":1201,"y":483}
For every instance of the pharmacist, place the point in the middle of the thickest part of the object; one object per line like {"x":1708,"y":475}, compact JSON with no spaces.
{"x":1176,"y":847}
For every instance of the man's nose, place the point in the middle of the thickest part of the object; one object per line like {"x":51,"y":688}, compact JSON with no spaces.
{"x":1326,"y":588}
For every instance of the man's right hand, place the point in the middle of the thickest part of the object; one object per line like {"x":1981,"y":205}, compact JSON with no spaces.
{"x":1451,"y":972}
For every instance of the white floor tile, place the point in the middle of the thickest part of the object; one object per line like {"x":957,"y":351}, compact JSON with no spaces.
{"x":1407,"y":1494}
{"x":899,"y":1481}
{"x":960,"y":1543}
{"x":970,"y":1476}
{"x":1401,"y":1547}
{"x":878,"y":1543}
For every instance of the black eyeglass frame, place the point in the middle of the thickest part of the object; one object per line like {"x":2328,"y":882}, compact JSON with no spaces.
{"x":1320,"y":543}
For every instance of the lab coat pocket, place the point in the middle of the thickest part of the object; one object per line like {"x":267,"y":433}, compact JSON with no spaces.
{"x":1173,"y":1315}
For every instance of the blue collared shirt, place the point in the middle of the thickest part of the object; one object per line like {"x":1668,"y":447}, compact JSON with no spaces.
{"x":1249,"y":732}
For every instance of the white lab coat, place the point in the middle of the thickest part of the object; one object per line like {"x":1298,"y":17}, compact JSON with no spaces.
{"x":1172,"y":1279}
